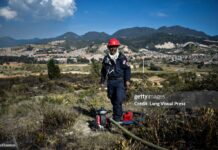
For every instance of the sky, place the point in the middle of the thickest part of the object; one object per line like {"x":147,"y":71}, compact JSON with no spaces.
{"x":25,"y":19}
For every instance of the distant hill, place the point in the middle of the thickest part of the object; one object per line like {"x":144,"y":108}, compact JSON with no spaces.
{"x":214,"y":38}
{"x":67,"y":35}
{"x":92,"y":36}
{"x":179,"y":30}
{"x":7,"y":41}
{"x":143,"y":37}
{"x":136,"y":37}
{"x":160,"y":38}
{"x":136,"y":32}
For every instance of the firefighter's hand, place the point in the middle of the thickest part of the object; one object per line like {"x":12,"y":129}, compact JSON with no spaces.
{"x":127,"y":85}
{"x":102,"y":87}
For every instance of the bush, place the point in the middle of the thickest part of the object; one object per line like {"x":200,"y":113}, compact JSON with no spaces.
{"x":178,"y":129}
{"x":200,"y":65}
{"x":82,"y":60}
{"x":95,"y":69}
{"x":53,"y":70}
{"x":57,"y":119}
{"x":155,"y":68}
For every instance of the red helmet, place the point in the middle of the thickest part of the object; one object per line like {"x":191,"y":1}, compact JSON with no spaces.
{"x":113,"y":42}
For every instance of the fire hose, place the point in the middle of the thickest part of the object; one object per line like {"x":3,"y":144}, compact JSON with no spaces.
{"x":137,"y":138}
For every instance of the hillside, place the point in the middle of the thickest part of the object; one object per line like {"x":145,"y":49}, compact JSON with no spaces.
{"x":136,"y":37}
{"x":179,"y":30}
{"x":95,"y":36}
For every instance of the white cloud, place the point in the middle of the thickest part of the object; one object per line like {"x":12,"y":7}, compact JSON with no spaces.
{"x":7,"y":13}
{"x":161,"y":14}
{"x":44,"y":9}
{"x":64,"y":7}
{"x":30,"y":1}
{"x":43,"y":2}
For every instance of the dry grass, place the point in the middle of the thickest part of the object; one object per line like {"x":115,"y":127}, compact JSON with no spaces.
{"x":45,"y":114}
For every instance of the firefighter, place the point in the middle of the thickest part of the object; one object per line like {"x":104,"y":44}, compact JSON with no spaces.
{"x":116,"y":70}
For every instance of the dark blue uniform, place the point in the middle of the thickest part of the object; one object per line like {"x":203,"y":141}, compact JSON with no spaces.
{"x":116,"y":73}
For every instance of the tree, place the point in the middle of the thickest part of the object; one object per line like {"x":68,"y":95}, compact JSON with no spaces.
{"x":95,"y":69}
{"x":53,"y":70}
{"x":200,"y":65}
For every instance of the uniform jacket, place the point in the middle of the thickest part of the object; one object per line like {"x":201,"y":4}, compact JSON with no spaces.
{"x":115,"y":70}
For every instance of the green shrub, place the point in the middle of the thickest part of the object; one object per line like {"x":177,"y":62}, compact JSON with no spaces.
{"x":53,"y":70}
{"x":155,"y":68}
{"x":95,"y":69}
{"x":56,"y":119}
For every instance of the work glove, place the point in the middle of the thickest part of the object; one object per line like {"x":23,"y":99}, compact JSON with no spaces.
{"x":127,"y":85}
{"x":102,"y":87}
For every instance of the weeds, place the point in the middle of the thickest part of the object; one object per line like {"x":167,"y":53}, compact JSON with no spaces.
{"x":39,"y":111}
{"x":57,"y":119}
{"x":181,"y":130}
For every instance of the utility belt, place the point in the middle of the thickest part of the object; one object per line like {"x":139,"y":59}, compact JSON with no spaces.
{"x":115,"y":78}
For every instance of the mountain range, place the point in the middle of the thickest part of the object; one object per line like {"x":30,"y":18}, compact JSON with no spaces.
{"x":135,"y":37}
